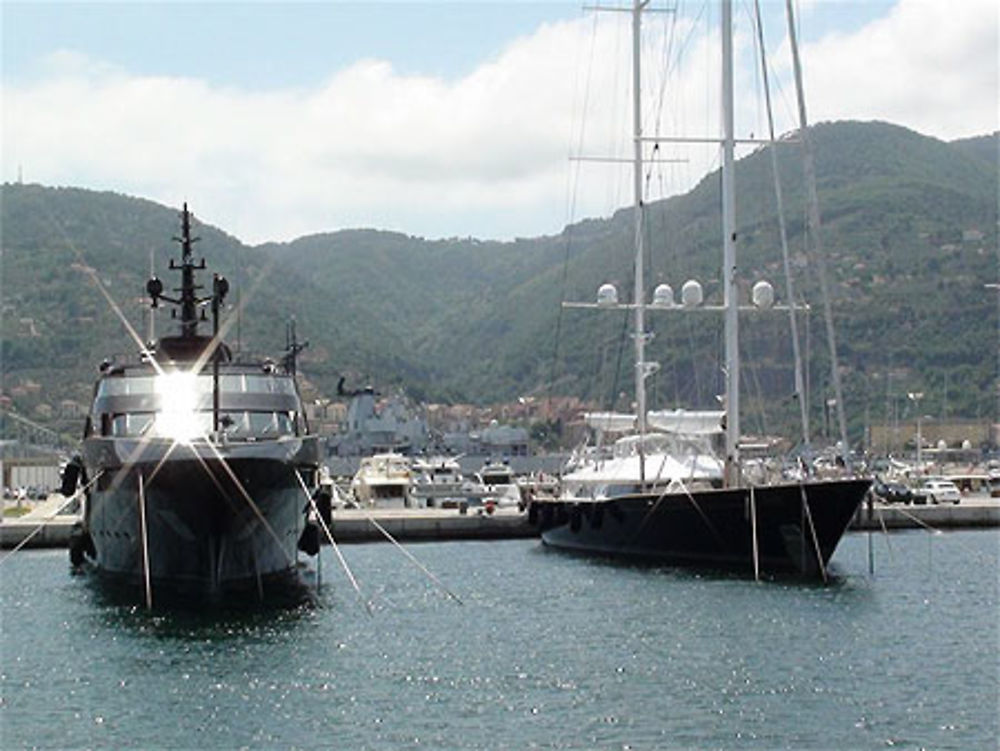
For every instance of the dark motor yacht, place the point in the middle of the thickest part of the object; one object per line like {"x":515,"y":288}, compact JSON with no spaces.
{"x":197,"y":467}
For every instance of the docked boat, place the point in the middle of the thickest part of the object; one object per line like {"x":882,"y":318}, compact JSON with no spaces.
{"x":383,"y":481}
{"x":496,"y":486}
{"x":700,"y":512}
{"x":993,"y":482}
{"x":438,"y":482}
{"x":197,"y":466}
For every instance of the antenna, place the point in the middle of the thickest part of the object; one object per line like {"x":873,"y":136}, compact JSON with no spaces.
{"x":192,"y":307}
{"x":188,"y":301}
{"x":152,"y":310}
{"x":292,"y":348}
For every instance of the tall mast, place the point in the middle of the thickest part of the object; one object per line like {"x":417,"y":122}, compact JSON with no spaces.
{"x":731,"y":299}
{"x":817,"y":256}
{"x":800,"y":389}
{"x":639,"y":297}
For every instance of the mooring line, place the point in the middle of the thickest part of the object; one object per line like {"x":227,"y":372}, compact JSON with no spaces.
{"x":646,"y":517}
{"x":144,"y":531}
{"x":812,"y":530}
{"x":226,"y":495}
{"x":885,"y":531}
{"x":224,"y":463}
{"x":701,"y":513}
{"x":935,"y":531}
{"x":753,"y":528}
{"x":871,"y":555}
{"x":687,"y":492}
{"x":921,"y":522}
{"x":334,"y":545}
{"x":415,"y":562}
{"x":391,"y":539}
{"x":49,"y":518}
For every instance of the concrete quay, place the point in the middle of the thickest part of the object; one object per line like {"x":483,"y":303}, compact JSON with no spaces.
{"x":973,"y":511}
{"x":43,"y":526}
{"x":37,"y":533}
{"x":349,"y":525}
{"x":356,"y":525}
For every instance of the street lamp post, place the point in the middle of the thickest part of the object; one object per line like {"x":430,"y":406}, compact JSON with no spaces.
{"x":915,"y":397}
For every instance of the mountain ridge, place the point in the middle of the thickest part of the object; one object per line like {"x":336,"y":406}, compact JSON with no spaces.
{"x":909,"y":232}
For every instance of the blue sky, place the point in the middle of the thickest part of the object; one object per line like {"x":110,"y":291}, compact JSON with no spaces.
{"x":262,"y":44}
{"x":435,"y":119}
{"x":269,"y":44}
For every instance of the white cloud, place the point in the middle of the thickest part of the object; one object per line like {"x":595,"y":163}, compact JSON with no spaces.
{"x":484,"y":155}
{"x":929,"y":65}
{"x":370,"y":147}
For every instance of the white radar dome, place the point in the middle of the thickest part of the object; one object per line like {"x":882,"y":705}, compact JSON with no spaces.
{"x":762,"y":294}
{"x":692,"y":294}
{"x":607,"y":295}
{"x":663,"y":296}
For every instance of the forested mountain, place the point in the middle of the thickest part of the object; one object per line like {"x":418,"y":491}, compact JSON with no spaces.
{"x":910,"y":239}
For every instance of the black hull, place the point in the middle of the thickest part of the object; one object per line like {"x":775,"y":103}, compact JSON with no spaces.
{"x":203,"y":536}
{"x":286,"y":589}
{"x":798,"y":526}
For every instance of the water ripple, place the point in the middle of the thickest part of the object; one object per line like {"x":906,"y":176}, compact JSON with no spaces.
{"x":549,"y":652}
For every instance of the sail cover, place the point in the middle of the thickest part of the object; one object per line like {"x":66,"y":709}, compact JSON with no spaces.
{"x":698,"y":422}
{"x":610,"y":421}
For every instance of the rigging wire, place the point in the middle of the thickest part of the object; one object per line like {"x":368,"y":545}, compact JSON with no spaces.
{"x":573,"y":182}
{"x":620,"y":94}
{"x":815,"y":249}
{"x":669,"y":329}
{"x":754,"y":377}
{"x":677,"y":41}
{"x":603,"y":376}
{"x":616,"y":372}
{"x":789,"y":286}
{"x":696,"y":373}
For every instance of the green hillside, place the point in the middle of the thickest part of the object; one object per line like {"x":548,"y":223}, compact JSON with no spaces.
{"x":909,"y":233}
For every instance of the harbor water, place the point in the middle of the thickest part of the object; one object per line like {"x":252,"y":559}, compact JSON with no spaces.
{"x":545,"y":650}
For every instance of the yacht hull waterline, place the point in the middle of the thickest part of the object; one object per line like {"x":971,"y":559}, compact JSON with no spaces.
{"x":797,"y":526}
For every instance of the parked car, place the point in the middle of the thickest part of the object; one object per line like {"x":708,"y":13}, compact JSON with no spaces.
{"x":892,"y":492}
{"x":940,"y":491}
